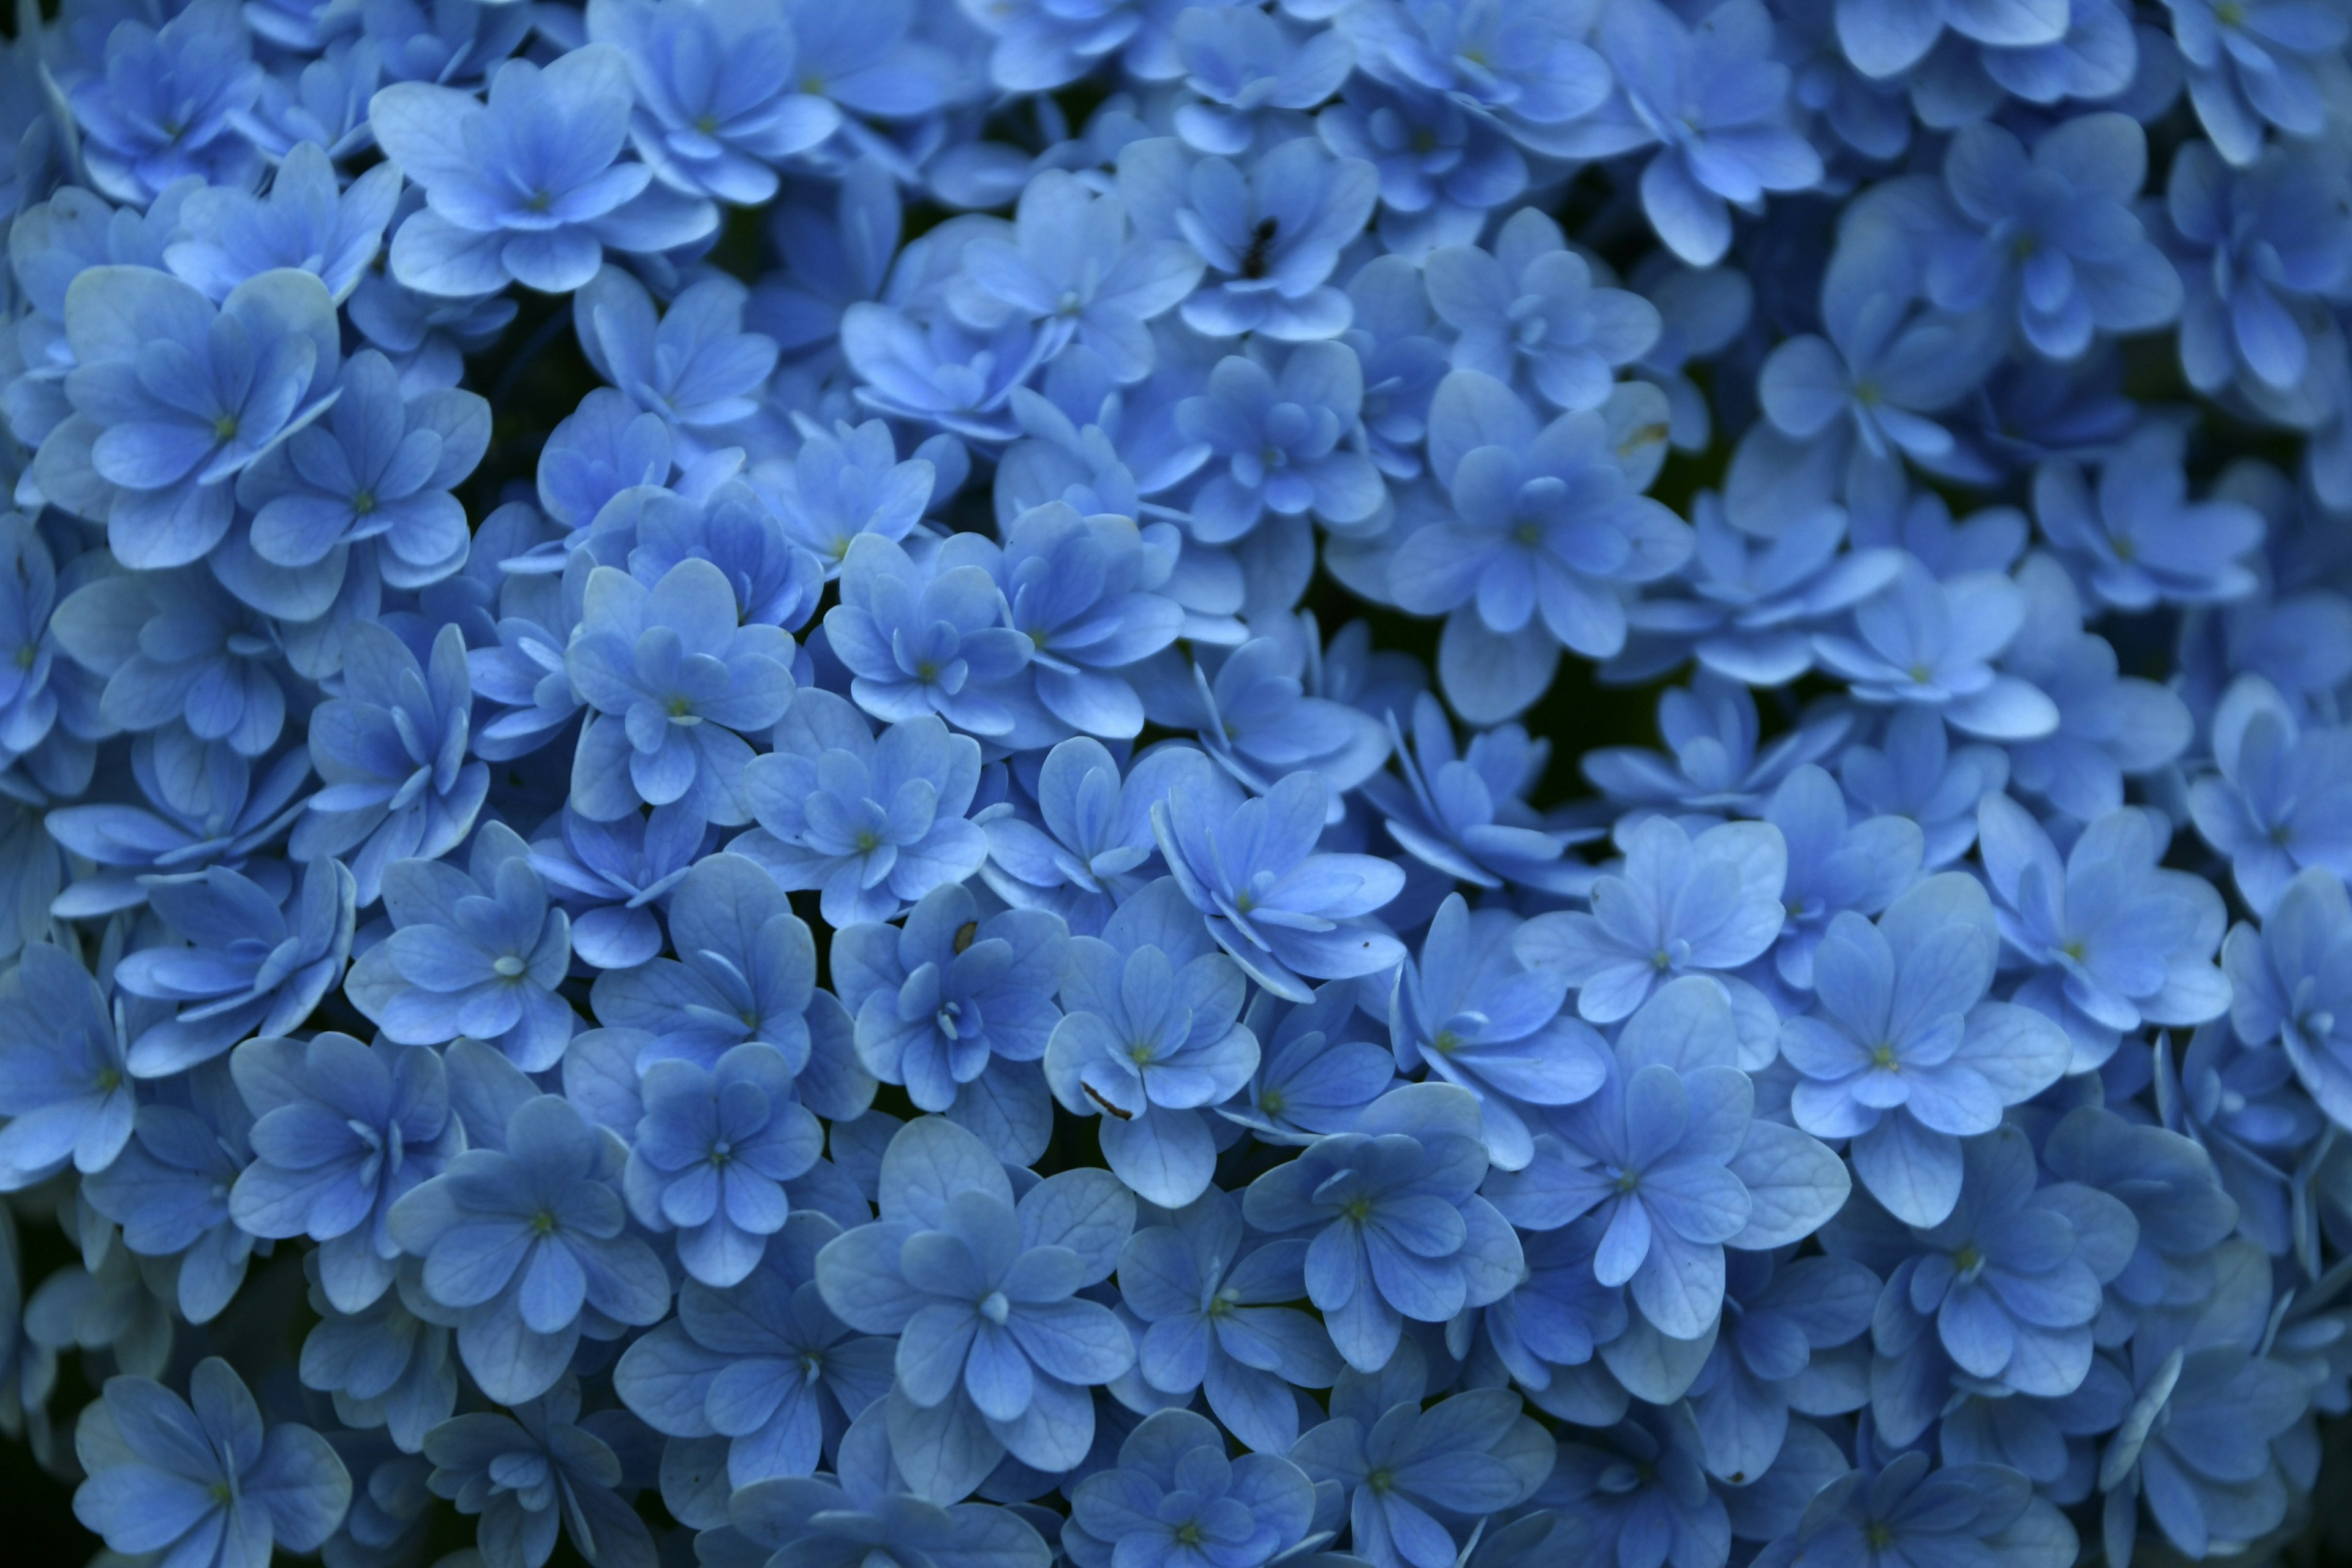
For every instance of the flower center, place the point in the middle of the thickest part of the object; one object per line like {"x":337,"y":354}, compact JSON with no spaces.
{"x":509,"y":967}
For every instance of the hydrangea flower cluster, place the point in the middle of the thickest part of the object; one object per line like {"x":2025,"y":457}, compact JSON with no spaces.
{"x":797,"y":784}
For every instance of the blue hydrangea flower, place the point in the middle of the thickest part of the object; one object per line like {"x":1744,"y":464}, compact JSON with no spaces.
{"x":378,"y":465}
{"x":2198,"y":1447}
{"x":1548,"y":528}
{"x":476,"y":953}
{"x":391,"y":752}
{"x":1767,"y":1359}
{"x":1755,"y":603}
{"x":673,"y":680}
{"x":2288,"y":983}
{"x":718,"y":102}
{"x":736,"y":1362}
{"x":1716,"y":762}
{"x":453,"y":42}
{"x":1460,"y":810}
{"x":165,"y":101}
{"x":169,"y":1187}
{"x":1530,"y":303}
{"x":712,"y":1155}
{"x":1089,"y":846}
{"x":1884,"y":40}
{"x":2142,"y":541}
{"x":2175,"y":1195}
{"x":1274,"y":442}
{"x":1637,"y":1492}
{"x":1087,"y":594}
{"x":2109,"y":724}
{"x":2256,"y":246}
{"x":324,"y":102}
{"x":1151,"y":1040}
{"x":1246,"y":69}
{"x":1282,"y":910}
{"x":174,"y":397}
{"x":996,"y":1349}
{"x":1670,"y":1156}
{"x":843,"y":482}
{"x":776,"y":583}
{"x":1528,"y":66}
{"x":1915,"y":771}
{"x":1214,"y":1319}
{"x":1903,"y":1052}
{"x":927,"y":637}
{"x":1919,"y":641}
{"x":694,"y":367}
{"x":876,"y":824}
{"x":1174,"y":1498}
{"x":602,"y":447}
{"x":527,"y":1471}
{"x":1399,"y":1228}
{"x":2010,"y":1282}
{"x":2251,"y":64}
{"x":745,"y":973}
{"x":525,"y":187}
{"x":2244,"y":1106}
{"x":952,"y":993}
{"x":2110,"y":939}
{"x":867,"y":1512}
{"x":1252,"y":711}
{"x":1913,"y":1508}
{"x":65,"y":1071}
{"x":1471,"y":1014}
{"x":1844,"y":409}
{"x":1545,"y":1333}
{"x":1319,"y":1064}
{"x":384,"y":1366}
{"x":342,"y":1131}
{"x":203,"y":1480}
{"x":940,"y":372}
{"x":180,"y":657}
{"x":1441,"y":167}
{"x":1408,"y":1470}
{"x":1269,"y":233}
{"x":307,"y":221}
{"x":1682,"y":904}
{"x":255,"y":962}
{"x":520,"y":1241}
{"x":1071,"y":265}
{"x":2280,"y":799}
{"x":520,"y":672}
{"x":38,"y":690}
{"x":2051,"y":234}
{"x":877,"y":62}
{"x":611,"y":876}
{"x":1834,"y":865}
{"x":1714,"y":100}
